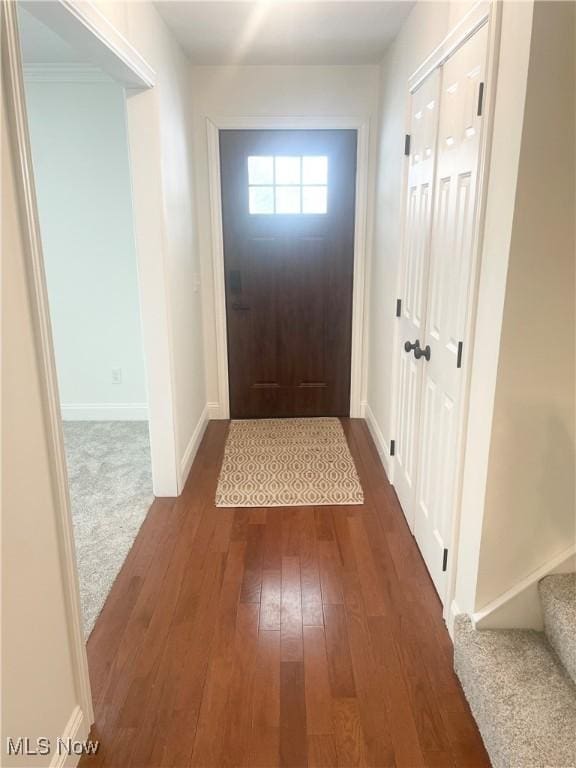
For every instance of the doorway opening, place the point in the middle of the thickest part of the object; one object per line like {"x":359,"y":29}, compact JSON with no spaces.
{"x":77,"y":128}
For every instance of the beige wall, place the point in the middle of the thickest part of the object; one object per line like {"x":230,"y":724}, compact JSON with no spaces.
{"x":278,"y":91}
{"x":529,"y":510}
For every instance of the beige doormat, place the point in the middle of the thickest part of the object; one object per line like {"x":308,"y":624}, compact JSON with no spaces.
{"x":287,"y":462}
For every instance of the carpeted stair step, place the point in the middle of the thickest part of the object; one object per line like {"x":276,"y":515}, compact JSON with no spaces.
{"x":558,"y":597}
{"x":520,"y":695}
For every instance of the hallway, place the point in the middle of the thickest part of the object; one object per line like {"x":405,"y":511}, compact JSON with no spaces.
{"x":262,"y":637}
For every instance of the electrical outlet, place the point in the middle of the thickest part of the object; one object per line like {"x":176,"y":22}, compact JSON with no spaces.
{"x":116,"y":375}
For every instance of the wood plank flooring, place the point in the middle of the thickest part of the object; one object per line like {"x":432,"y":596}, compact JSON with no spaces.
{"x":277,"y":637}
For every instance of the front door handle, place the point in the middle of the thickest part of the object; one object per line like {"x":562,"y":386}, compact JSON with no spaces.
{"x":235,"y":281}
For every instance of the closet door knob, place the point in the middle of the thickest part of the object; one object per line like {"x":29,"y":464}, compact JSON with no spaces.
{"x":408,"y":347}
{"x":418,"y":352}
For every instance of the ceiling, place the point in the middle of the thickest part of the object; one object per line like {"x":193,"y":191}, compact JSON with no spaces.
{"x":40,"y":45}
{"x":284,"y":31}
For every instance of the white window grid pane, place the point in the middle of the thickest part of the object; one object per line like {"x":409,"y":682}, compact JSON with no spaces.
{"x":287,"y":170}
{"x":317,"y":168}
{"x":315,"y":203}
{"x":261,"y":169}
{"x":288,"y":199}
{"x":261,"y":200}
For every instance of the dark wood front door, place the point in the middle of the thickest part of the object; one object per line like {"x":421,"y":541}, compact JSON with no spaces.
{"x":288,"y":218}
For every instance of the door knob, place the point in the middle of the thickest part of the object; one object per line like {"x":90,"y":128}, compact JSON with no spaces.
{"x":408,"y":347}
{"x":419,"y":352}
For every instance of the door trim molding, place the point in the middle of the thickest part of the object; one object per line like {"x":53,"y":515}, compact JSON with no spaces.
{"x":361,"y":125}
{"x":470,"y":23}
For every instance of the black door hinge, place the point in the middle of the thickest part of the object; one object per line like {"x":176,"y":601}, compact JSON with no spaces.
{"x":480,"y":100}
{"x":392,"y":447}
{"x":407,"y":144}
{"x":459,"y":356}
{"x":445,"y":560}
{"x":398,"y":307}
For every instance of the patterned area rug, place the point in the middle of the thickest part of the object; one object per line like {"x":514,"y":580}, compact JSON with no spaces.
{"x":287,"y":462}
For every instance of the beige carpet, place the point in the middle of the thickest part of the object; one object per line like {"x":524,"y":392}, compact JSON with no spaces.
{"x":287,"y":462}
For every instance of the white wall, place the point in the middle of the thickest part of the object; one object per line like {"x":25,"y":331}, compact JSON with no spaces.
{"x":160,"y":128}
{"x":530,"y":513}
{"x":508,"y":121}
{"x":277,"y":91}
{"x":82,"y":175}
{"x":39,"y":690}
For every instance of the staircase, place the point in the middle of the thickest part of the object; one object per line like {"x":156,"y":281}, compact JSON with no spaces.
{"x":521,"y":684}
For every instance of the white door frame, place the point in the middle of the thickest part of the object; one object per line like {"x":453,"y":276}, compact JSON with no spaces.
{"x":83,"y":25}
{"x":80,"y":21}
{"x":359,"y":302}
{"x":483,"y":12}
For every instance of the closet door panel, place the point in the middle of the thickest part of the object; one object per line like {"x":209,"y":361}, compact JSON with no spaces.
{"x":449,"y":291}
{"x":414,"y":284}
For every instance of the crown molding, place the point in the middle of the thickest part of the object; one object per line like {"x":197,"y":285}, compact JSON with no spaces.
{"x":82,"y":24}
{"x":64,"y":73}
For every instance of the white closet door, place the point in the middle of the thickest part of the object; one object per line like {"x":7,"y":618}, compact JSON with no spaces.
{"x":451,"y":258}
{"x":416,"y":251}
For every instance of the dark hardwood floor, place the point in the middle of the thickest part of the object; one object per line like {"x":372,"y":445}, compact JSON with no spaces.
{"x":283,"y":636}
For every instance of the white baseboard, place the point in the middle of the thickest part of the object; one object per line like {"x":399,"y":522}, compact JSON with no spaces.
{"x":214,"y":411}
{"x":77,"y":730}
{"x":379,"y":441}
{"x":192,"y":447}
{"x":453,"y":611}
{"x":520,"y":607}
{"x":104,"y":411}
